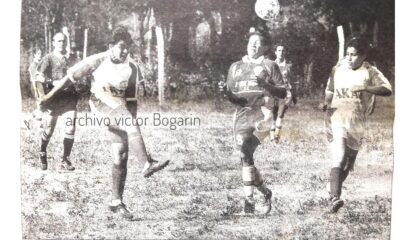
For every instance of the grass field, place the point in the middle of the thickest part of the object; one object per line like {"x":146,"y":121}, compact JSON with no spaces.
{"x":199,"y":195}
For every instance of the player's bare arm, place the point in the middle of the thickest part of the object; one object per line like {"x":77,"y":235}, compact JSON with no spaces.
{"x":377,"y":90}
{"x":64,"y":82}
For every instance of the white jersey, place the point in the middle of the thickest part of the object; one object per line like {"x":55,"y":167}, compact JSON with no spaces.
{"x":113,"y":84}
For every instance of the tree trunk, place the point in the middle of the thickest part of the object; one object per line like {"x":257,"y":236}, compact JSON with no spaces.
{"x":161,"y":68}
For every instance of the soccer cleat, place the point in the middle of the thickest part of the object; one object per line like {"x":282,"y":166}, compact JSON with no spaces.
{"x":122,"y":210}
{"x":336,"y":204}
{"x":43,"y":160}
{"x":267,"y":200}
{"x":67,"y":165}
{"x":249,"y":206}
{"x":153,"y":166}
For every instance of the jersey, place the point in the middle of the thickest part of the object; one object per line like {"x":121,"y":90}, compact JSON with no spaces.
{"x":285,"y":69}
{"x":349,"y":109}
{"x":246,"y":77}
{"x":112,"y":84}
{"x":342,"y":79}
{"x":50,"y":71}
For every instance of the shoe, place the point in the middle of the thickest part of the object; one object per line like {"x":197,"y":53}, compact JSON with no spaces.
{"x":43,"y":160}
{"x":249,"y":206}
{"x":267,"y":200}
{"x":122,"y":210}
{"x":67,"y":165}
{"x":153,"y":166}
{"x":277,"y":138}
{"x":336,"y":204}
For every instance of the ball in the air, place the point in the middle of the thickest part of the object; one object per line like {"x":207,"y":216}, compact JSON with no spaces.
{"x":267,"y":9}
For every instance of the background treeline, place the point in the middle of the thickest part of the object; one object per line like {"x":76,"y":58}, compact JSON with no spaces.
{"x":201,"y":38}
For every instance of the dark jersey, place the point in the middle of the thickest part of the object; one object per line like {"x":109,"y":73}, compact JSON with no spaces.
{"x":53,"y":68}
{"x":246,"y":77}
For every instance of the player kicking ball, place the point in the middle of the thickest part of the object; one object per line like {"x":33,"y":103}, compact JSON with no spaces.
{"x":113,"y":95}
{"x":349,"y":99}
{"x":251,"y":85}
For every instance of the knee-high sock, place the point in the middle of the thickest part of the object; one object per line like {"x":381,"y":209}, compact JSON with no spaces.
{"x":136,"y":143}
{"x":119,"y":173}
{"x":259,"y":182}
{"x":68,"y":143}
{"x":44,"y":141}
{"x":248,"y":174}
{"x":335,"y":182}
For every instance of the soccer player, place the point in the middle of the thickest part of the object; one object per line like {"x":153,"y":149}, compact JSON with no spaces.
{"x":50,"y":71}
{"x":37,"y":56}
{"x":281,"y":105}
{"x":349,"y":99}
{"x":252,"y":84}
{"x":113,"y":95}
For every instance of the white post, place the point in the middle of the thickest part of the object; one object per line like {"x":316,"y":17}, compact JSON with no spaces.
{"x":161,"y":59}
{"x":341,"y":41}
{"x":85,"y":43}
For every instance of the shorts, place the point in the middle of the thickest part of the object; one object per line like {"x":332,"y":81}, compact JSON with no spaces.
{"x":249,"y":121}
{"x":120,"y":120}
{"x":345,"y":125}
{"x":62,"y":103}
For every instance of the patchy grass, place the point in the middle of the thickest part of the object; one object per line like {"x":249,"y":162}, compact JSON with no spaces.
{"x":200,"y":194}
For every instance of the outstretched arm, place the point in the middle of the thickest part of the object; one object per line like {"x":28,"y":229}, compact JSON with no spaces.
{"x":64,"y":82}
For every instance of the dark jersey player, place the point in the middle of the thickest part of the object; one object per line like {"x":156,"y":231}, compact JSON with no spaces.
{"x":50,"y":71}
{"x":252,"y":84}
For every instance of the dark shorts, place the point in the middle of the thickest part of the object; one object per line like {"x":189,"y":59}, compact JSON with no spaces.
{"x":249,"y":121}
{"x":62,"y":103}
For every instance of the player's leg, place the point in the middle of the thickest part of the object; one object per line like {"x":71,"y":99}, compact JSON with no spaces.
{"x":69,"y":118}
{"x":274,"y":118}
{"x":50,"y":122}
{"x":282,"y":108}
{"x":119,"y":171}
{"x":136,"y":142}
{"x":350,"y":155}
{"x":338,"y":150}
{"x":247,"y":149}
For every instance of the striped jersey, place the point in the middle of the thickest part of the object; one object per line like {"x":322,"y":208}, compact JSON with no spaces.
{"x":245,"y":79}
{"x":112,"y":83}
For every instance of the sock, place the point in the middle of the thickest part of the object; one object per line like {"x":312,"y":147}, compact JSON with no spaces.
{"x":44,"y":142}
{"x":116,"y":202}
{"x":68,"y":143}
{"x":259,"y":183}
{"x":248,"y":174}
{"x":278,"y":131}
{"x":335,"y":182}
{"x":118,"y":180}
{"x":136,"y":143}
{"x":272,"y":133}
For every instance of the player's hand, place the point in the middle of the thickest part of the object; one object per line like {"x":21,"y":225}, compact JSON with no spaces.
{"x":358,"y":88}
{"x":42,"y":100}
{"x":222,"y":86}
{"x":324,"y":107}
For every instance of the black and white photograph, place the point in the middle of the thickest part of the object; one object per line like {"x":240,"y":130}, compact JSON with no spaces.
{"x":206,"y":119}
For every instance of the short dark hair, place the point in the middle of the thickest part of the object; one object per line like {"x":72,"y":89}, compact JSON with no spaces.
{"x":264,"y":36}
{"x":121,"y":33}
{"x":279,"y":45}
{"x":360,"y":43}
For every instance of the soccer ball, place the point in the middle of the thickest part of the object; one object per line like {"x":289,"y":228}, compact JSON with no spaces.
{"x":267,"y":9}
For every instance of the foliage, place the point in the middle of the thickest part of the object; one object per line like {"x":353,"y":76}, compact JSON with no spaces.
{"x":306,"y":27}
